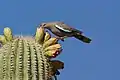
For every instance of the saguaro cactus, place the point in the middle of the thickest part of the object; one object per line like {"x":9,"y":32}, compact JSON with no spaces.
{"x":23,"y":58}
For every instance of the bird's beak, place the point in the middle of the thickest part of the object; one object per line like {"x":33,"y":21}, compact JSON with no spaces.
{"x":41,"y":26}
{"x":63,"y":67}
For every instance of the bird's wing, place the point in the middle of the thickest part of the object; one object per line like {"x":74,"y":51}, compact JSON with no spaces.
{"x":66,"y":28}
{"x":62,"y":28}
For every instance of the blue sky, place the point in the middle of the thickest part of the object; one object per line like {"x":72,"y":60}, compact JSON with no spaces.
{"x":98,"y":19}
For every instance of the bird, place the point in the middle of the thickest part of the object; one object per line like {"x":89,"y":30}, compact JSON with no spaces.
{"x":56,"y":65}
{"x":63,"y":30}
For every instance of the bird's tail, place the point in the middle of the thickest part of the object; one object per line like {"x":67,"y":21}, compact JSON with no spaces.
{"x":82,"y":38}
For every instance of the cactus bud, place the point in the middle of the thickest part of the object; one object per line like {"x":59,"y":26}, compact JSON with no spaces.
{"x":39,"y":36}
{"x":47,"y":36}
{"x":3,"y":39}
{"x":8,"y":34}
{"x":51,"y":41}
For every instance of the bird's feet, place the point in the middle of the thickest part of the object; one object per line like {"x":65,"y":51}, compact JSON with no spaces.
{"x":60,"y":38}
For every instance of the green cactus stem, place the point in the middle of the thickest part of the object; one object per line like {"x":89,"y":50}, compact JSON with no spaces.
{"x":22,"y":59}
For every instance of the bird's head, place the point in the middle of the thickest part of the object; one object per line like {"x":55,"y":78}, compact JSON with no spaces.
{"x":43,"y":25}
{"x":47,"y":25}
{"x":57,"y":64}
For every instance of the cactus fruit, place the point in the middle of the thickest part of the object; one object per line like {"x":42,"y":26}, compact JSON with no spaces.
{"x":24,"y":58}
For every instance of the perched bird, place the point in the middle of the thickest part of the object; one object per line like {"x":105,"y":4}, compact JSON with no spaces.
{"x":56,"y":65}
{"x":62,"y":30}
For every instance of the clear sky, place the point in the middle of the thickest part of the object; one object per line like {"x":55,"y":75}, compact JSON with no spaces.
{"x":98,"y":19}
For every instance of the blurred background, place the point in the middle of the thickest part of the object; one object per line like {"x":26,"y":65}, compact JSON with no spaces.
{"x":98,"y":19}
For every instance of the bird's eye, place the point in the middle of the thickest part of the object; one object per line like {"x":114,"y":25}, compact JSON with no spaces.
{"x":43,"y":24}
{"x":40,"y":25}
